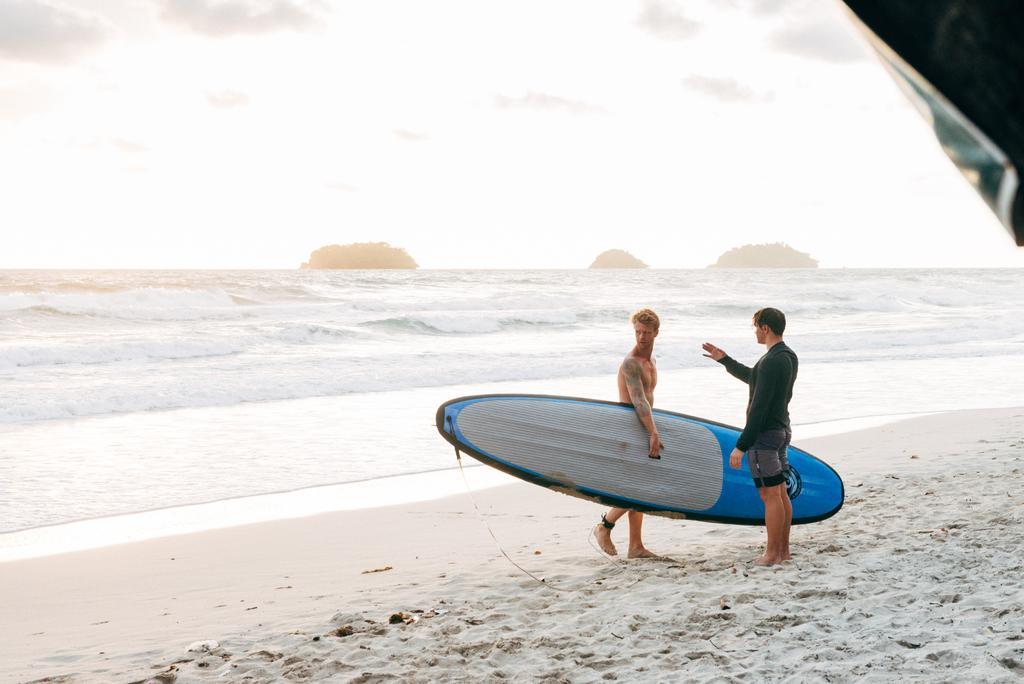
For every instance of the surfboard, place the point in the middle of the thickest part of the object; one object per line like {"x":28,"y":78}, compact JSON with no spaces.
{"x":597,"y":450}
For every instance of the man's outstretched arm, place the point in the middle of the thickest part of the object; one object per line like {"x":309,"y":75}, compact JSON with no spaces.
{"x":774,"y":372}
{"x":735,"y":368}
{"x":635,"y":386}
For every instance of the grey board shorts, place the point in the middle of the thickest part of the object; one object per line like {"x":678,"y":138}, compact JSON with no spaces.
{"x":767,"y":458}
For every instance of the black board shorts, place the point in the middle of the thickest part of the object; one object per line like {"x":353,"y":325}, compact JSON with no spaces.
{"x":767,"y":458}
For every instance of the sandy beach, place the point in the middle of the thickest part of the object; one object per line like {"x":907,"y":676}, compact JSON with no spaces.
{"x":918,"y":577}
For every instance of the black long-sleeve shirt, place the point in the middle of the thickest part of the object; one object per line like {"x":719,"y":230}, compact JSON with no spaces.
{"x":771,"y":387}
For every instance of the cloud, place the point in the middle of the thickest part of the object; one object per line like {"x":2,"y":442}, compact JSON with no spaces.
{"x":667,"y":21}
{"x":49,"y":33}
{"x":234,"y":17}
{"x":409,"y":136}
{"x":341,"y":187}
{"x":122,"y":145}
{"x":544,"y":102}
{"x":809,"y":28}
{"x":766,"y":7}
{"x":726,"y":89}
{"x":824,"y":40}
{"x":127,"y":146}
{"x":769,"y":6}
{"x":23,"y":101}
{"x":227,"y":99}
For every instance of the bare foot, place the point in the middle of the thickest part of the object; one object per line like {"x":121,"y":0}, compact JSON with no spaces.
{"x":769,"y":560}
{"x":604,"y":540}
{"x":642,"y":552}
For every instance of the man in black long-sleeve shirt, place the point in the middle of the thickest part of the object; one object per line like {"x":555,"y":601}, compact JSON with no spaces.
{"x":766,"y":435}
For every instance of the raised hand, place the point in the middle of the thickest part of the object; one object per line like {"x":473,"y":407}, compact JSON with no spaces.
{"x":713,"y":352}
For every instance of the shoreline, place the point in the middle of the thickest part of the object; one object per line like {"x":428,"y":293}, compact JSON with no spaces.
{"x":103,"y":531}
{"x":879,"y":590}
{"x":388,"y":490}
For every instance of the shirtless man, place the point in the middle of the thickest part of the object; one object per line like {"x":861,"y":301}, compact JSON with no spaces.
{"x":638,"y":376}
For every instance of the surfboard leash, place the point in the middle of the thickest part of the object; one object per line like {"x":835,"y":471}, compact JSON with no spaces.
{"x":618,"y":564}
{"x":480,"y":517}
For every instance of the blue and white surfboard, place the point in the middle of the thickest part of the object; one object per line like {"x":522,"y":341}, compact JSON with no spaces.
{"x":597,"y":450}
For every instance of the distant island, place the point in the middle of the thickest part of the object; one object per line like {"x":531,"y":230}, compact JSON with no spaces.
{"x":617,"y":258}
{"x":360,"y":255}
{"x":775,"y":255}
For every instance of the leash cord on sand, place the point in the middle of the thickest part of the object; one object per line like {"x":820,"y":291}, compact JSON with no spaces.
{"x":618,"y":564}
{"x":479,"y":515}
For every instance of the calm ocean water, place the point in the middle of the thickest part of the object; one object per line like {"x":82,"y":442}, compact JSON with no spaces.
{"x":132,"y":390}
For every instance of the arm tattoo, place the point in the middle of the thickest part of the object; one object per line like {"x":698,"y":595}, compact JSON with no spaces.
{"x":635,"y":385}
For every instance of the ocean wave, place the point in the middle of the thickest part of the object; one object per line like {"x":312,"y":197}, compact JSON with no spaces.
{"x":20,"y":356}
{"x":244,"y":301}
{"x":266,"y":332}
{"x":312,"y":332}
{"x":235,"y":382}
{"x":145,"y":304}
{"x":44,"y":310}
{"x":475,"y":323}
{"x":265,"y":340}
{"x":37,"y":395}
{"x":501,"y":302}
{"x":260,"y":286}
{"x":57,"y":288}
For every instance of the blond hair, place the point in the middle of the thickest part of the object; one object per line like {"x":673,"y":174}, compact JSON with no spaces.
{"x":646,"y":317}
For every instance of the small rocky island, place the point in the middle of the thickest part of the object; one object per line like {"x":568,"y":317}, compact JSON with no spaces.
{"x":617,"y":258}
{"x":775,"y":255}
{"x":360,"y":255}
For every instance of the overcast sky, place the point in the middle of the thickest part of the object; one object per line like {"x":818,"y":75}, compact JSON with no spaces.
{"x":526,"y":134}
